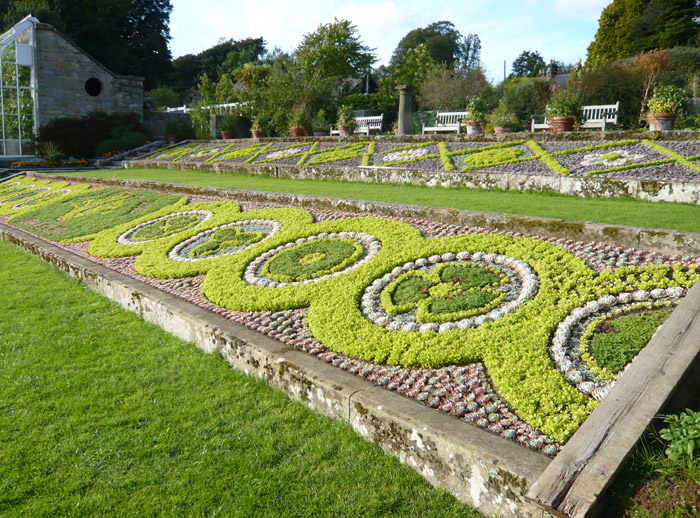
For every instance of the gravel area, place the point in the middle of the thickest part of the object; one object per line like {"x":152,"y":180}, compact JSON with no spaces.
{"x":686,"y":148}
{"x":665,"y":172}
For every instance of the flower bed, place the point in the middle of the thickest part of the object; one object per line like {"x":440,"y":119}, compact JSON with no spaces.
{"x":626,"y":158}
{"x":483,"y":325}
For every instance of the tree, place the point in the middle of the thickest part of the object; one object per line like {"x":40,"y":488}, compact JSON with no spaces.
{"x":613,"y":39}
{"x":445,"y":45}
{"x":627,"y":27}
{"x":334,"y":50}
{"x":665,"y":24}
{"x":527,"y":64}
{"x":127,"y":36}
{"x":417,"y":67}
{"x":222,"y":58}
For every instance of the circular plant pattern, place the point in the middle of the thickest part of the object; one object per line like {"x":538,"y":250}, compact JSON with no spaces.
{"x":449,"y":291}
{"x":41,"y":199}
{"x":164,"y":226}
{"x":224,"y":240}
{"x":569,"y":347}
{"x":312,"y":259}
{"x":25,"y":194}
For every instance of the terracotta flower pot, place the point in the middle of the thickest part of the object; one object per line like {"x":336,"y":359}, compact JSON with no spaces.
{"x":502,"y":129}
{"x":346,"y":131}
{"x":661,"y":121}
{"x":258,"y":133}
{"x":320,"y":134}
{"x":474,"y":127}
{"x":228,"y":135}
{"x":561,"y":124}
{"x":297,"y":131}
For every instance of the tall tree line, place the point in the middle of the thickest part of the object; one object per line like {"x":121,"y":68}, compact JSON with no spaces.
{"x":127,"y":36}
{"x":627,"y":27}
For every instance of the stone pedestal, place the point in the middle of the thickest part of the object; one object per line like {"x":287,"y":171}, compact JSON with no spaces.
{"x":405,"y":109}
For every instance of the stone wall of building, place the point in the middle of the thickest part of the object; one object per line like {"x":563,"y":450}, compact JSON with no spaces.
{"x":71,"y":83}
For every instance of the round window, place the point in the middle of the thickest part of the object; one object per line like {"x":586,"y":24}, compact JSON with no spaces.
{"x":93,"y":87}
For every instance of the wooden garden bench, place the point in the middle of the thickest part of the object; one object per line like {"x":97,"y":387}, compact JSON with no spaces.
{"x":447,"y":121}
{"x":365,"y":125}
{"x":598,"y":116}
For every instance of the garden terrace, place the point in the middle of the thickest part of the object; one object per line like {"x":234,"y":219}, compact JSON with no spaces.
{"x":477,"y":328}
{"x":615,"y":164}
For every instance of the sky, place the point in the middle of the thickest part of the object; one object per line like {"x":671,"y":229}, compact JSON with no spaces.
{"x":557,"y":29}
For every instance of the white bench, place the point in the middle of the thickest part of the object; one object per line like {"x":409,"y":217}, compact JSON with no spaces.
{"x":597,"y":117}
{"x":447,"y":121}
{"x":365,"y":125}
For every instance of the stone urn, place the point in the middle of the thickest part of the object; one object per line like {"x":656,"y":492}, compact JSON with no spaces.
{"x":473,"y":127}
{"x":561,"y":124}
{"x":661,"y":121}
{"x":297,"y":131}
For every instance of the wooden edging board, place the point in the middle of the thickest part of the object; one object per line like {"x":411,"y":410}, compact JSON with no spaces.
{"x":575,"y":480}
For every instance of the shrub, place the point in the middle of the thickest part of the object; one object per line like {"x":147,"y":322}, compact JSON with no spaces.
{"x":181,"y":130}
{"x":229,"y":123}
{"x":681,"y":64}
{"x":528,"y":97}
{"x":125,"y":142}
{"x":447,"y":89}
{"x":612,"y":82}
{"x":79,"y":136}
{"x":504,"y":116}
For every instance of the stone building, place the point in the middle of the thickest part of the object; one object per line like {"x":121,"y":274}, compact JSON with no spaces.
{"x":44,"y":76}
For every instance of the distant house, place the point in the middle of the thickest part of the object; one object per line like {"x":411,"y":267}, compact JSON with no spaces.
{"x":44,"y":76}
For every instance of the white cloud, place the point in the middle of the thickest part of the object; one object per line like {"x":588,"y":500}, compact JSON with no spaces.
{"x":380,"y":25}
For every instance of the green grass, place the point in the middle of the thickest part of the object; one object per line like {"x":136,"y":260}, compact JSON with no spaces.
{"x":621,"y":211}
{"x":102,"y":414}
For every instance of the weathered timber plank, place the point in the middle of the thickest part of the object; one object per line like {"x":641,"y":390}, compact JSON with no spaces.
{"x":573,"y":482}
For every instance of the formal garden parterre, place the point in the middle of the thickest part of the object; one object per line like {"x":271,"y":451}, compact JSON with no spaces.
{"x":521,"y":336}
{"x":632,"y":158}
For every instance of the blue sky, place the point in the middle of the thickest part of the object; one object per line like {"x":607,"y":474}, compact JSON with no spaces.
{"x":557,"y":29}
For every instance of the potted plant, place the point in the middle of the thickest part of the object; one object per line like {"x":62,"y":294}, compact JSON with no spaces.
{"x":475,"y":114}
{"x":299,"y":121}
{"x":320,"y":123}
{"x":257,"y":128}
{"x":664,"y":106}
{"x":503,"y":118}
{"x":564,"y":110}
{"x":346,"y":121}
{"x":228,"y":127}
{"x":395,"y":127}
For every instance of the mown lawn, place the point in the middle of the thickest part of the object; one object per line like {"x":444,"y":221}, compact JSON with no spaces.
{"x":102,"y":414}
{"x":621,"y":211}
